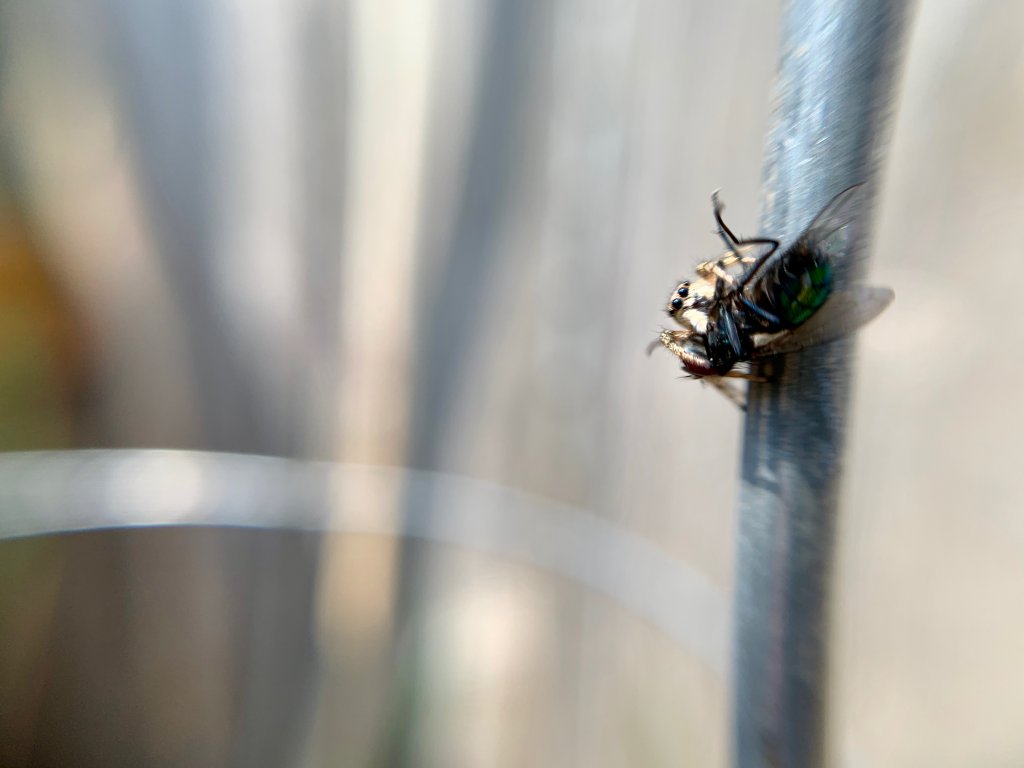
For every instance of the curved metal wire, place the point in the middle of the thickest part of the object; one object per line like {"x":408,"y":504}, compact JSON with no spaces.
{"x":60,"y":492}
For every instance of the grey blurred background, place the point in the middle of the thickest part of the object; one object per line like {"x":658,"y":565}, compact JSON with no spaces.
{"x":437,"y":236}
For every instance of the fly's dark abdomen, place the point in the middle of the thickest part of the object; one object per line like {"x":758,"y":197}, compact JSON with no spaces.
{"x":796,"y":287}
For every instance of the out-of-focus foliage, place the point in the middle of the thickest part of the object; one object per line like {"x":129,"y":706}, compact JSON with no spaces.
{"x":42,"y":352}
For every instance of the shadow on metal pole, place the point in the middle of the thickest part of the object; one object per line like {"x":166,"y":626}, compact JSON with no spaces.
{"x":832,"y":99}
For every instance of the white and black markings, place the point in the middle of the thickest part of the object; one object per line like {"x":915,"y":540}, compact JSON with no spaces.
{"x":757,"y":300}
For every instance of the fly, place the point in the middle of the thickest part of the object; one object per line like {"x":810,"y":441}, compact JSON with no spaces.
{"x":757,"y":300}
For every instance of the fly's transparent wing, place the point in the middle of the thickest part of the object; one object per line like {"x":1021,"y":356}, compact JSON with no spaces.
{"x":844,"y":208}
{"x":843,"y":313}
{"x":828,"y":231}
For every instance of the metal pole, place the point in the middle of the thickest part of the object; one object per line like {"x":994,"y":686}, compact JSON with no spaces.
{"x":832,"y":97}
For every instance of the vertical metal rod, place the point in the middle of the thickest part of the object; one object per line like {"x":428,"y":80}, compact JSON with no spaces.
{"x":838,"y":61}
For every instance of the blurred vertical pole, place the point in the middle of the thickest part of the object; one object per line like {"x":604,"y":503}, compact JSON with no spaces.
{"x":834,"y":89}
{"x":449,"y":324}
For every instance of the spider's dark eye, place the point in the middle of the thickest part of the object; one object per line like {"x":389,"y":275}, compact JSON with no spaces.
{"x":677,"y":303}
{"x":683,"y":290}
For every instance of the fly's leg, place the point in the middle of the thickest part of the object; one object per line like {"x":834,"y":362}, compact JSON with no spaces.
{"x":717,"y":268}
{"x":759,"y":262}
{"x":762,"y":314}
{"x":733,"y":243}
{"x":724,"y":232}
{"x":734,"y":374}
{"x":734,"y":394}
